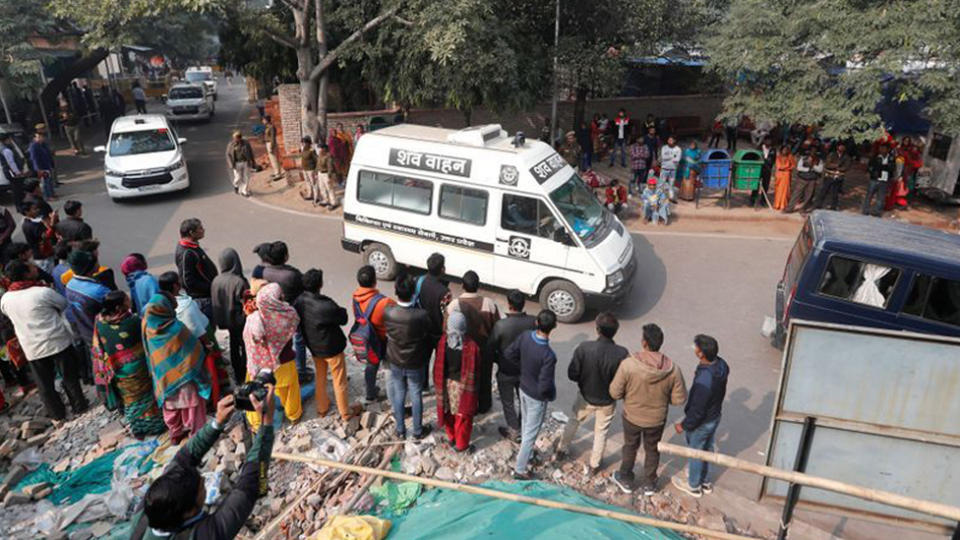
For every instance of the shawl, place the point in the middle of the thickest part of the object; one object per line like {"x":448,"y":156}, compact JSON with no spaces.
{"x":456,"y":328}
{"x":114,"y":348}
{"x":269,"y":329}
{"x":176,"y":355}
{"x":469,"y":359}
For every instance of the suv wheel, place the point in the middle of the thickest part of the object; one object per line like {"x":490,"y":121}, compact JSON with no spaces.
{"x":564,"y":299}
{"x":381,"y":259}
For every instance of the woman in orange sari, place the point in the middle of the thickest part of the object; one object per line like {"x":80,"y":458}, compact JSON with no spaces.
{"x":784,"y":166}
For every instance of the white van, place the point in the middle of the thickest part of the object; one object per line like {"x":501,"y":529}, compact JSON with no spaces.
{"x":189,"y":102}
{"x":515,"y":213}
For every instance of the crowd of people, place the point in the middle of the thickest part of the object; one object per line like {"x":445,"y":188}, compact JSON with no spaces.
{"x":804,"y":172}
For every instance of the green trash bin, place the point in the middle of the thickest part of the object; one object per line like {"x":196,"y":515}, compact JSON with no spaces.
{"x":747,"y":165}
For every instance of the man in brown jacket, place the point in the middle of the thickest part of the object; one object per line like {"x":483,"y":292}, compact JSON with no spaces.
{"x":240,"y":160}
{"x":647,"y":382}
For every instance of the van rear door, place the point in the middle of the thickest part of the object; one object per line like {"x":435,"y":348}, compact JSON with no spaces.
{"x":531,"y":242}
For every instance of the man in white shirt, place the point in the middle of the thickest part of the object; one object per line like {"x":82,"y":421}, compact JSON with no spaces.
{"x":621,"y":124}
{"x":670,"y":155}
{"x":36,"y":312}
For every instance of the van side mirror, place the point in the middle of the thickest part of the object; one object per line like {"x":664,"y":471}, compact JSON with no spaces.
{"x":181,"y":140}
{"x":164,"y":98}
{"x":100,"y":149}
{"x":560,"y":235}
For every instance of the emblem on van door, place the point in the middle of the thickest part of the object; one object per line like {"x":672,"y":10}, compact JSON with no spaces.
{"x":519,"y":247}
{"x":509,"y":175}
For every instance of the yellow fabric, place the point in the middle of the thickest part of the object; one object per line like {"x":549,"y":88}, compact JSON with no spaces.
{"x":288,"y":390}
{"x":354,"y":528}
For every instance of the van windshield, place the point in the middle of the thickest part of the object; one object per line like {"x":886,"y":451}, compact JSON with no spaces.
{"x":580,"y":208}
{"x":141,"y":142}
{"x":798,"y":255}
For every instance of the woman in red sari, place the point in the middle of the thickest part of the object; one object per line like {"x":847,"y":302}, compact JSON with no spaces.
{"x":454,"y":376}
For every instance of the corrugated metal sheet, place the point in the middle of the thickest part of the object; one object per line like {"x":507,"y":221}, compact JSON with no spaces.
{"x":888,"y":410}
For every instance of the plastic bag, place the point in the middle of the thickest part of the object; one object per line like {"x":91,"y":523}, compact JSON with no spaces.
{"x":354,"y":528}
{"x":212,"y":482}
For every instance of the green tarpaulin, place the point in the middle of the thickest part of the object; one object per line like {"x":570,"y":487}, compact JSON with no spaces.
{"x":441,"y":514}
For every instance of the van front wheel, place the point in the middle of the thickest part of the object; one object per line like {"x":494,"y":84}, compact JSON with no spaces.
{"x":564,"y":299}
{"x":381,"y":259}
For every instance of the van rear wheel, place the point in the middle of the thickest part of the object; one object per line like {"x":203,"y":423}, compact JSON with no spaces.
{"x":564,"y":299}
{"x":381,"y":259}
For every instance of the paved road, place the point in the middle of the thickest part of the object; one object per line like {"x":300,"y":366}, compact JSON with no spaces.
{"x":688,"y":283}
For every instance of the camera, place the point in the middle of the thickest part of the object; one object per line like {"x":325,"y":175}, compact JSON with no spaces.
{"x":254,"y":387}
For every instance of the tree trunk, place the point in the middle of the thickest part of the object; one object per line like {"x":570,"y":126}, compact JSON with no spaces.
{"x":467,"y":113}
{"x":579,"y":107}
{"x":62,"y":81}
{"x":322,"y":127}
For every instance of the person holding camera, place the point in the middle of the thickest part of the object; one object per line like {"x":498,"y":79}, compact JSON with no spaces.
{"x":173,"y":507}
{"x":268,"y":338}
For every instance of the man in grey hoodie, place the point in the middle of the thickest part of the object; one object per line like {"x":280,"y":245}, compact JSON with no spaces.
{"x":647,"y":382}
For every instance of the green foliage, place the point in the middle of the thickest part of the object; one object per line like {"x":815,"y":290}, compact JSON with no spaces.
{"x":19,"y":19}
{"x":108,"y":23}
{"x":458,"y":53}
{"x":829,"y":61}
{"x":245,"y":44}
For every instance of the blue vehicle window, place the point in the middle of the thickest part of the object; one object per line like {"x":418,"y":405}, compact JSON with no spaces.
{"x":934,"y":299}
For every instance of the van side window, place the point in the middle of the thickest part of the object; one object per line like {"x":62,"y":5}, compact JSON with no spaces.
{"x":527,"y":215}
{"x":402,"y":193}
{"x":856,"y":281}
{"x":463,"y":204}
{"x":935,"y":299}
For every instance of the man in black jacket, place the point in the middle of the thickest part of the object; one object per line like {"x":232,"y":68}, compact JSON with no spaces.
{"x":504,"y":333}
{"x":702,"y":412}
{"x":593,"y":367}
{"x":320,"y":322}
{"x":881,"y":168}
{"x":196,"y":270}
{"x":275,"y":269}
{"x":173,"y":505}
{"x":72,"y":228}
{"x":408,"y":348}
{"x":434,"y":297}
{"x":769,"y":154}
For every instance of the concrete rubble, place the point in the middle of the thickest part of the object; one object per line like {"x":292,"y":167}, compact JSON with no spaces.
{"x":301,"y":496}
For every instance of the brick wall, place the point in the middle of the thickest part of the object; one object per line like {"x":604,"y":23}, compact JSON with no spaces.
{"x":289,"y":95}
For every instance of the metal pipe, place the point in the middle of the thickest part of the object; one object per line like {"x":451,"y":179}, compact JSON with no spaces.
{"x":799,"y":465}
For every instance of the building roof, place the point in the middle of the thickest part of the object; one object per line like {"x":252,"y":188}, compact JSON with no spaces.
{"x":901,"y":240}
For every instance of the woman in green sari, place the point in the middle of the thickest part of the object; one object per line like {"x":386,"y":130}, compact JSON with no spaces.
{"x":120,"y":365}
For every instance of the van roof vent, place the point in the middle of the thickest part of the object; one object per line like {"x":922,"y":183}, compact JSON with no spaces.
{"x":477,"y":135}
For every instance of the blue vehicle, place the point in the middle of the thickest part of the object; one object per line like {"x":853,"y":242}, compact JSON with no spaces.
{"x":864,"y":271}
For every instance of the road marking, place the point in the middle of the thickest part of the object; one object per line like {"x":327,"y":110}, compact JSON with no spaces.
{"x":715,"y":235}
{"x":253,"y":200}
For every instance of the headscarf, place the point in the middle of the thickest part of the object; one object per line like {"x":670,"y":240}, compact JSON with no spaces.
{"x":230,"y":262}
{"x":456,"y":328}
{"x":81,"y":262}
{"x":132,"y":264}
{"x":269,"y":329}
{"x":176,"y":355}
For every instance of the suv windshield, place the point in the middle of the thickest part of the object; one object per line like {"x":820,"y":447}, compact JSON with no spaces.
{"x":198,"y":76}
{"x":141,"y":142}
{"x":580,"y":208}
{"x":185,"y":93}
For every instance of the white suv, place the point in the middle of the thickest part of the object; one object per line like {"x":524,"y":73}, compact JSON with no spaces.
{"x":144,"y":156}
{"x":203,"y":75}
{"x":189,"y":102}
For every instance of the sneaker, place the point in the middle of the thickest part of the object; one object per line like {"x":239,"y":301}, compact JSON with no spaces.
{"x":649,"y":490}
{"x":594,"y":471}
{"x":517,"y":475}
{"x":625,"y":485}
{"x":706,"y":487}
{"x":683,"y":486}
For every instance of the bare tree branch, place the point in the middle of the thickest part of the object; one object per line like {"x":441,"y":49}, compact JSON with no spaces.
{"x":333,"y":55}
{"x":403,"y":21}
{"x":282,"y":40}
{"x":298,"y":5}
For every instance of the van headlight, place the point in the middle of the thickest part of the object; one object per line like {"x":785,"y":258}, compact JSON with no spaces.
{"x":615,"y":279}
{"x":178,"y":165}
{"x":111,"y":172}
